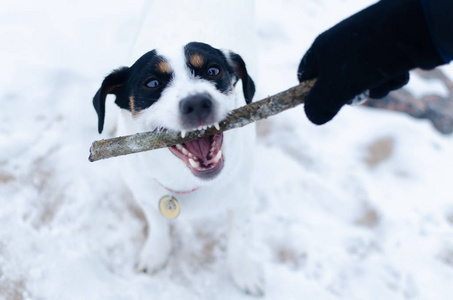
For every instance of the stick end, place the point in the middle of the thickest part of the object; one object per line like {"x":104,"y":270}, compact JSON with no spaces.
{"x":92,"y":156}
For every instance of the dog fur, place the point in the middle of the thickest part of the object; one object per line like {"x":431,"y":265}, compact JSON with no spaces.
{"x":183,"y":89}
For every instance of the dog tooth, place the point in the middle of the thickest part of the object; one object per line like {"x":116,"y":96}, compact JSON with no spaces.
{"x":179,"y":147}
{"x":212,"y":149}
{"x":217,"y":125}
{"x":183,"y":133}
{"x":218,"y":156}
{"x":194,"y":164}
{"x":190,"y":154}
{"x":184,"y":151}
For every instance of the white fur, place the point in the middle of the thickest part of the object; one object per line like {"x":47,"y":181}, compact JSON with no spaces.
{"x":150,"y":175}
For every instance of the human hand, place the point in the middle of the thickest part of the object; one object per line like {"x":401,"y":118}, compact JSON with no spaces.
{"x":372,"y":51}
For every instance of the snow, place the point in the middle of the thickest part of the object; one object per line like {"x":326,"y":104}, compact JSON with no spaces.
{"x":360,"y":208}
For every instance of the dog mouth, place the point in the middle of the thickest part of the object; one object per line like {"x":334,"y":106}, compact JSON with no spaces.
{"x":203,"y":157}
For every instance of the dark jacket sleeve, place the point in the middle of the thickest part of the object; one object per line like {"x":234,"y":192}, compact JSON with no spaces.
{"x":439,"y":17}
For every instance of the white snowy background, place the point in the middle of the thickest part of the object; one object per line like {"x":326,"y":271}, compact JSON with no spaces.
{"x":361,"y":208}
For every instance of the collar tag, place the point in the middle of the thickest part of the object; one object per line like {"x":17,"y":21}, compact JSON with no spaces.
{"x":169,"y":207}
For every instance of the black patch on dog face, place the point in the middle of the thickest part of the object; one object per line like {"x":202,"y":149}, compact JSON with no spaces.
{"x":149,"y":77}
{"x":210,"y":64}
{"x":136,"y":88}
{"x":204,"y":61}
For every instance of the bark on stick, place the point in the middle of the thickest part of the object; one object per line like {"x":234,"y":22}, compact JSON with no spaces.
{"x":162,"y":138}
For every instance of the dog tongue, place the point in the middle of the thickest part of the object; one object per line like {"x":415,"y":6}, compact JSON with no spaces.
{"x":200,"y":148}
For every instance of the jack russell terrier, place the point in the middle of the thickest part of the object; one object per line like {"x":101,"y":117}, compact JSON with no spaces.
{"x":184,"y":89}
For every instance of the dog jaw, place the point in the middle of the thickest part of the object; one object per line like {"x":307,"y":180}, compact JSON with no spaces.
{"x":203,"y":157}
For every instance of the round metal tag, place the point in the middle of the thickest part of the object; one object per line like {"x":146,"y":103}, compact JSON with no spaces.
{"x":169,"y":207}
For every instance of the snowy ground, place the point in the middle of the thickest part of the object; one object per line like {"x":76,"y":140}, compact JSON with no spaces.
{"x":360,"y":208}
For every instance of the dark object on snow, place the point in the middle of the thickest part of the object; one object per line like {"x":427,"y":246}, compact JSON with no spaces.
{"x":371,"y":50}
{"x":437,"y":109}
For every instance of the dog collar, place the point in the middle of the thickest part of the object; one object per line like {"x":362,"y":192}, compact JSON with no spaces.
{"x":168,"y":205}
{"x":177,"y":192}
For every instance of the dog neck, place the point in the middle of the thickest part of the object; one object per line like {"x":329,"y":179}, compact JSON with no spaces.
{"x":177,"y":192}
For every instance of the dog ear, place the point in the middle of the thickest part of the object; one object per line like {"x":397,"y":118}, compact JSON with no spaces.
{"x":248,"y":86}
{"x":112,"y":84}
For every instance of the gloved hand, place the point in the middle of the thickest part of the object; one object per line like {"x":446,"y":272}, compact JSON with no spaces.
{"x":372,"y":50}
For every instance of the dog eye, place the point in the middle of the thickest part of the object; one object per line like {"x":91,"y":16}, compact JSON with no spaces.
{"x":153,"y":83}
{"x":213,"y":71}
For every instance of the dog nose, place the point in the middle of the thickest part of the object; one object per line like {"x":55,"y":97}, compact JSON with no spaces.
{"x":196,"y":110}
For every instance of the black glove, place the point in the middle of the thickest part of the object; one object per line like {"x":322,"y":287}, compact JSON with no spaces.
{"x":371,"y":51}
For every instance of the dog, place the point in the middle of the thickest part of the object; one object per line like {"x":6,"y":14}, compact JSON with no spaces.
{"x":188,"y":88}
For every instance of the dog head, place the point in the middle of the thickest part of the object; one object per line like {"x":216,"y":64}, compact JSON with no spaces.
{"x":181,"y":89}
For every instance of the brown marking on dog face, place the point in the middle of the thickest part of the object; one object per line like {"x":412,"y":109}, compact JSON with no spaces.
{"x":163,"y":67}
{"x":132,"y":105}
{"x":196,"y":60}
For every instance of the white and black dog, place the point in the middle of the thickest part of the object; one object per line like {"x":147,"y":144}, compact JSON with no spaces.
{"x":185,"y":89}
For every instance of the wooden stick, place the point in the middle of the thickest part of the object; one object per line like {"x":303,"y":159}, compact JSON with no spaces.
{"x":162,"y":138}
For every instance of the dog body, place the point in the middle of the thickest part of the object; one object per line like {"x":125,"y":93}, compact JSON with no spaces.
{"x":184,"y":89}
